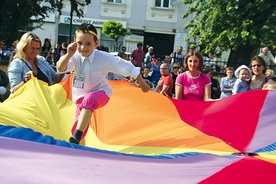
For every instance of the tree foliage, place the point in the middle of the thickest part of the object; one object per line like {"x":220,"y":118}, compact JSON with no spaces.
{"x":114,"y":30}
{"x":241,"y":26}
{"x":19,"y":16}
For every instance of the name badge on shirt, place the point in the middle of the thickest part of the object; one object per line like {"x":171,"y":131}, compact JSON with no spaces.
{"x":78,"y":81}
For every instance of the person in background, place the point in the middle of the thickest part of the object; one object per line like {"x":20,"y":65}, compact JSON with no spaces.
{"x":182,"y":70}
{"x":4,"y":82}
{"x":64,"y":45}
{"x":215,"y":87}
{"x":63,"y":52}
{"x":63,"y":49}
{"x":28,"y":62}
{"x":269,"y":73}
{"x":210,"y":61}
{"x":46,"y":50}
{"x":13,"y":50}
{"x":155,"y":69}
{"x":258,"y":67}
{"x":56,"y":53}
{"x":165,"y":83}
{"x":147,"y":59}
{"x":146,"y":77}
{"x":91,"y":89}
{"x":174,"y":74}
{"x":190,"y":50}
{"x":227,"y":83}
{"x":167,"y":59}
{"x":267,"y":56}
{"x":193,"y":84}
{"x":177,"y":57}
{"x":122,"y":53}
{"x":102,"y":48}
{"x":3,"y":51}
{"x":137,"y":56}
{"x":270,"y":85}
{"x":243,"y":74}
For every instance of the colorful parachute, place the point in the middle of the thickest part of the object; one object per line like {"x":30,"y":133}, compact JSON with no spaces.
{"x":138,"y":138}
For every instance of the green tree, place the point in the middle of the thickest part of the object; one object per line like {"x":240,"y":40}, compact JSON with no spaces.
{"x":114,"y":30}
{"x":19,"y":16}
{"x":241,"y":26}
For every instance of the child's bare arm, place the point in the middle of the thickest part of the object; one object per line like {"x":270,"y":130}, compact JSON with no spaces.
{"x":143,"y":85}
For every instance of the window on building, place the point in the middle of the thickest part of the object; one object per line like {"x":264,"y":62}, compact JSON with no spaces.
{"x":115,"y":1}
{"x":162,"y":3}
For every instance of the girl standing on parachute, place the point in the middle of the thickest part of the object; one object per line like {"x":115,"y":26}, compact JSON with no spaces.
{"x":91,"y":90}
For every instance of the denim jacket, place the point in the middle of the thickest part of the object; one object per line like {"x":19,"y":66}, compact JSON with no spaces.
{"x":18,"y":68}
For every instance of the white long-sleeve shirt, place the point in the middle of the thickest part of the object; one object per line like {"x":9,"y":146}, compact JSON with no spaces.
{"x":95,"y":69}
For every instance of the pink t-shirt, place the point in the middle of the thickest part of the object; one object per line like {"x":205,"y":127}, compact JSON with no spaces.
{"x":193,"y":87}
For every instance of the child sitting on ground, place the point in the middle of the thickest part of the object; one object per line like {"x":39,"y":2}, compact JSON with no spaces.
{"x":243,"y":74}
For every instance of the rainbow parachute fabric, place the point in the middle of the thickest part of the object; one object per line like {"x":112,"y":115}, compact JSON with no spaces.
{"x":137,"y":138}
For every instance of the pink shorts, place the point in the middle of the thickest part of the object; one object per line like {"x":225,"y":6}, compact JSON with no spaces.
{"x":91,"y":101}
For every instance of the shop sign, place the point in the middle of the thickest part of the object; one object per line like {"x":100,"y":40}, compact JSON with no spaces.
{"x":78,"y":21}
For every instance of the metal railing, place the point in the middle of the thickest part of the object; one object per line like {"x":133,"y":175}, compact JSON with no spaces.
{"x":217,"y":66}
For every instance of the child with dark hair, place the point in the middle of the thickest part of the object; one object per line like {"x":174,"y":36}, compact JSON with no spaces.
{"x":215,"y":87}
{"x":227,"y":83}
{"x":146,"y":76}
{"x":91,"y":90}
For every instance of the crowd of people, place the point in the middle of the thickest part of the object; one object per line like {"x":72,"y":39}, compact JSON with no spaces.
{"x":242,"y":79}
{"x":176,"y":75}
{"x":52,"y":55}
{"x":196,"y":72}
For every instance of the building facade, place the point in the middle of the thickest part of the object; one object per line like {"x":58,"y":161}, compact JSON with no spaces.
{"x":156,"y":23}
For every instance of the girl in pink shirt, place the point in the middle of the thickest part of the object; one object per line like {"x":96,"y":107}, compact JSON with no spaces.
{"x":193,"y":84}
